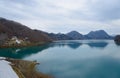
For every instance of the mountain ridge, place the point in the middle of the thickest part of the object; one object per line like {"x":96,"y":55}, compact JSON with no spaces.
{"x":13,"y":30}
{"x":74,"y":35}
{"x":98,"y":34}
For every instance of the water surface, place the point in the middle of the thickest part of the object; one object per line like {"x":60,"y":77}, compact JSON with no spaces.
{"x":73,"y":59}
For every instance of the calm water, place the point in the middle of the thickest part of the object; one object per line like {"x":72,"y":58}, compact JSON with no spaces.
{"x":73,"y":59}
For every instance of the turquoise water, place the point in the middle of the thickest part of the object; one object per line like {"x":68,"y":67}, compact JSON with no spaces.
{"x":73,"y":59}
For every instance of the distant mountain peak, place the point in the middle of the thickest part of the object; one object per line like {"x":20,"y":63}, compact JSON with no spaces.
{"x":98,"y":34}
{"x":74,"y":32}
{"x":97,"y":31}
{"x":75,"y":35}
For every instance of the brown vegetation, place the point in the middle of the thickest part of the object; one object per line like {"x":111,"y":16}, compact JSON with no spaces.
{"x":9,"y":29}
{"x":26,"y":69}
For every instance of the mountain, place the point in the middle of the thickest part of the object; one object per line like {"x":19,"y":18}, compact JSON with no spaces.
{"x":13,"y":30}
{"x":100,"y":34}
{"x":75,"y":35}
{"x":59,"y":36}
{"x":12,"y":33}
{"x":117,"y":39}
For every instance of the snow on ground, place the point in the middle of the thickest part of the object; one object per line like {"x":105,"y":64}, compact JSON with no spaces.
{"x":6,"y":70}
{"x":2,"y":58}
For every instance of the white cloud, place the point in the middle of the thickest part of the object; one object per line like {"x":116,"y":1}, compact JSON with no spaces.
{"x":116,"y":22}
{"x":63,"y":15}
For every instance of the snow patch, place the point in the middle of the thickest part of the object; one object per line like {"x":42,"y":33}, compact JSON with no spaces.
{"x":2,"y":58}
{"x":6,"y":70}
{"x":18,"y":41}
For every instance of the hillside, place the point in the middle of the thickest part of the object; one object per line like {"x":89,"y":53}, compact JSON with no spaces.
{"x":14,"y":30}
{"x":117,"y":39}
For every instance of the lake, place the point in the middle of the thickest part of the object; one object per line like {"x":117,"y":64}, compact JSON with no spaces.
{"x":73,"y":59}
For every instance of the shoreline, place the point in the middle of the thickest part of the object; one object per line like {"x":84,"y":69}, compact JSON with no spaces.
{"x":21,"y":46}
{"x":26,"y":69}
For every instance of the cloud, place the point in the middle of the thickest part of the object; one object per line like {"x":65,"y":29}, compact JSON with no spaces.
{"x":64,"y":15}
{"x":106,"y":9}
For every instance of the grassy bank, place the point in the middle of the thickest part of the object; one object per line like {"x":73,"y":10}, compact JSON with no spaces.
{"x":26,"y":69}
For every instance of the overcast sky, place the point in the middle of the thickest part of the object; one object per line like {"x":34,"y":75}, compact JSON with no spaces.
{"x":64,"y":15}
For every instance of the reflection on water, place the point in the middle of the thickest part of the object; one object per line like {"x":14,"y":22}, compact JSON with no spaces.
{"x":25,"y":52}
{"x":98,"y":44}
{"x":80,"y":59}
{"x":21,"y":52}
{"x":73,"y":59}
{"x":74,"y":45}
{"x":71,"y":44}
{"x":77,"y":44}
{"x":82,"y":68}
